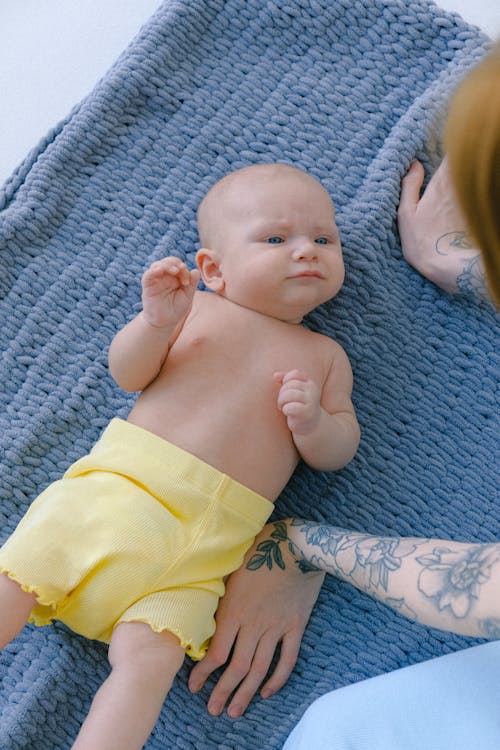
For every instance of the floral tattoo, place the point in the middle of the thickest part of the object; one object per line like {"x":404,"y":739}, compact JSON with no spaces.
{"x":453,"y":579}
{"x":471,"y":280}
{"x":449,"y":579}
{"x":269,"y":552}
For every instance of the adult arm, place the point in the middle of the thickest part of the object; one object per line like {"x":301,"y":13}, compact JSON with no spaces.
{"x":449,"y":585}
{"x":434,"y":235}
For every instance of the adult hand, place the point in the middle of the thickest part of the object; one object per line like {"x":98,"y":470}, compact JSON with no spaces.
{"x":261,"y":608}
{"x":433,"y":233}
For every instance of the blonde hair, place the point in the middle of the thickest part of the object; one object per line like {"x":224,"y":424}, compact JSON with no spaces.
{"x":472,"y":141}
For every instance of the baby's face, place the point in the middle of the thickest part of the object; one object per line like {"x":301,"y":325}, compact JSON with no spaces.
{"x":279,"y":246}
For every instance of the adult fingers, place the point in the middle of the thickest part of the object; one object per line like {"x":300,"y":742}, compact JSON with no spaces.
{"x":290,"y":647}
{"x":411,"y":185}
{"x":256,"y":674}
{"x":241,"y":660}
{"x":217,"y":655}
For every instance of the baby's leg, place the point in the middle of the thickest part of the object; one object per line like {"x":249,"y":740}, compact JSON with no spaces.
{"x":15,"y":608}
{"x":126,"y":707}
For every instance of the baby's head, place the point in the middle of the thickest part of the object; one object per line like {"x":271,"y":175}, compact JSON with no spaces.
{"x":244,"y":192}
{"x":269,"y":241}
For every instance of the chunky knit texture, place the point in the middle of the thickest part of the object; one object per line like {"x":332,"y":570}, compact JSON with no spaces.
{"x":349,"y":90}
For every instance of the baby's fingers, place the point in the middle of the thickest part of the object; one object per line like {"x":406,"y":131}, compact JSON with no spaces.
{"x":294,"y":409}
{"x":291,"y":393}
{"x":167,"y":267}
{"x":194,"y":277}
{"x":175,"y":267}
{"x":286,"y":377}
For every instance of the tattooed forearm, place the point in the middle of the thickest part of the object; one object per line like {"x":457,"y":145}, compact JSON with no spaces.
{"x":345,"y":554}
{"x":470,"y":274}
{"x":472,"y":280}
{"x":490,"y":628}
{"x":269,"y":552}
{"x":453,"y":578}
{"x":448,"y":585}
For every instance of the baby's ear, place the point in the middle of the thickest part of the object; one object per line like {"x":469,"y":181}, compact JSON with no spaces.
{"x":209,"y":264}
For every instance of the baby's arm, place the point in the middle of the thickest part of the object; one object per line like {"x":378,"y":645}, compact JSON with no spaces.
{"x":323,"y":424}
{"x":138,"y":351}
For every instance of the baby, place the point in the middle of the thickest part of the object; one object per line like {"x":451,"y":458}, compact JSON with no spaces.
{"x":132,"y":545}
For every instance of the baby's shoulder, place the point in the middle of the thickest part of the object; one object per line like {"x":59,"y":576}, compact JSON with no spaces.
{"x":324,"y":343}
{"x":333,"y":355}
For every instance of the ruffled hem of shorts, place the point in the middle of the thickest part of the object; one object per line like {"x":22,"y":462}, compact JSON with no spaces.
{"x":41,"y":599}
{"x":196,"y":654}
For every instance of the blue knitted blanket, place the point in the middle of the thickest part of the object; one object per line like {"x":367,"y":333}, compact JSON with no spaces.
{"x":349,"y":90}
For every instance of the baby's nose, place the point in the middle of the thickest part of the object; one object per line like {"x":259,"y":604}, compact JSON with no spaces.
{"x":305,"y":250}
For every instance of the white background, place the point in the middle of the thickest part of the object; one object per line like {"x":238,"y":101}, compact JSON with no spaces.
{"x":52,"y":52}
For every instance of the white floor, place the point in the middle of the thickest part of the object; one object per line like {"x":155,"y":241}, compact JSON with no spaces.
{"x":52,"y":52}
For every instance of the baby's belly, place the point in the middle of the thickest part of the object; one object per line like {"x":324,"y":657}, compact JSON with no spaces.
{"x":256,"y":449}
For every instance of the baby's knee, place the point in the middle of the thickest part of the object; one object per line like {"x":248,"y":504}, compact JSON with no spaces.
{"x":14,"y":598}
{"x":138,"y":647}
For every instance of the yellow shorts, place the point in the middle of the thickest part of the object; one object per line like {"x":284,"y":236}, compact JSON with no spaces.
{"x":138,"y":530}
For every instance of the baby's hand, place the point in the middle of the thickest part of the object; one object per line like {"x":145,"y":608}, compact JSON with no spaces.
{"x":299,"y":400}
{"x":168,"y":288}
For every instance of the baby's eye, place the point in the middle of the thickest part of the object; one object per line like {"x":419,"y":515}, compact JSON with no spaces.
{"x":274,"y":240}
{"x":321,"y":240}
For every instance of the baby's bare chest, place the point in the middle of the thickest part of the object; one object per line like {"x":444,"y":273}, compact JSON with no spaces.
{"x":247,"y":347}
{"x":216,"y":395}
